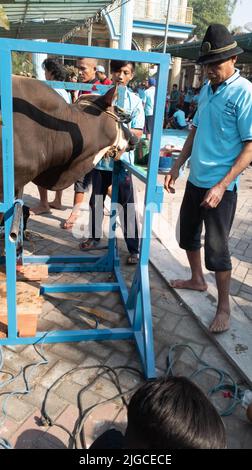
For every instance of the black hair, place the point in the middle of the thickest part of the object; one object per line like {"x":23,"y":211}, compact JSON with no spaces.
{"x":173,"y":413}
{"x":116,"y":65}
{"x":57,"y":70}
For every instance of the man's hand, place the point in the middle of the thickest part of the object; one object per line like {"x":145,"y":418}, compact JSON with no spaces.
{"x":213,"y":197}
{"x":170,"y":179}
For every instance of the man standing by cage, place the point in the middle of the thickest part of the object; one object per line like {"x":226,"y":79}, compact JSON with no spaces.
{"x":220,"y":147}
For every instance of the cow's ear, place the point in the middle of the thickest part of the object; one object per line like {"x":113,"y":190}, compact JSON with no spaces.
{"x":107,"y":99}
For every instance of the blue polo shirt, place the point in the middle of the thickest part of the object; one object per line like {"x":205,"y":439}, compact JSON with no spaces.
{"x":132,"y":105}
{"x":149,"y":101}
{"x":224,"y":122}
{"x":179,"y":117}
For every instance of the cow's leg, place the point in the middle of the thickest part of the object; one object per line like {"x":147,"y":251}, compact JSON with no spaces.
{"x":56,"y":204}
{"x":43,"y":207}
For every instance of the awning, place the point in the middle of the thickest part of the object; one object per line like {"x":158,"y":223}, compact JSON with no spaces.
{"x":190,"y":50}
{"x":48,"y":19}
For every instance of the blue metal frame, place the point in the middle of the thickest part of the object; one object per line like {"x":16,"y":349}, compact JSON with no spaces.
{"x":136,"y":300}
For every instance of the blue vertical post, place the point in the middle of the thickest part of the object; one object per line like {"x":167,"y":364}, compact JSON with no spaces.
{"x":8,"y":186}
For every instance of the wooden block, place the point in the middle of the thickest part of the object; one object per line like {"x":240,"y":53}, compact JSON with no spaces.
{"x":29,"y":306}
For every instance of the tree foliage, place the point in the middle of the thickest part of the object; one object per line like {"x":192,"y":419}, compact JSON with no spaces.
{"x":22,"y":64}
{"x":4,"y":22}
{"x":211,"y":11}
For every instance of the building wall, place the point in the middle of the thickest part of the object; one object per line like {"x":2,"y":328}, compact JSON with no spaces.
{"x":152,"y":14}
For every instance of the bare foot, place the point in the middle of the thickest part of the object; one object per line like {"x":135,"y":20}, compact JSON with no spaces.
{"x":220,"y":323}
{"x":56,"y":205}
{"x":189,"y":284}
{"x":69,"y":223}
{"x":40,"y":209}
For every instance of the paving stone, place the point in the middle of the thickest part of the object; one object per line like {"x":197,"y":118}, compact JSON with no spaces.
{"x":58,"y":370}
{"x":17,"y":409}
{"x":8,"y":428}
{"x":245,"y":295}
{"x":68,"y":391}
{"x":190,"y":330}
{"x":168,"y":322}
{"x":54,"y":405}
{"x":99,"y":349}
{"x":68,"y":351}
{"x":13,"y":361}
{"x":235,"y":287}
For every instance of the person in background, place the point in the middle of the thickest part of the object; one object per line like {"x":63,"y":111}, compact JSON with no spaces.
{"x":72,"y":76}
{"x":141,"y":91}
{"x":220,"y":147}
{"x":178,"y":121}
{"x":188,"y":100}
{"x":53,"y":71}
{"x":101,"y":75}
{"x":122,"y":74}
{"x":149,"y":106}
{"x":168,"y":413}
{"x":174,"y":99}
{"x":87,"y":75}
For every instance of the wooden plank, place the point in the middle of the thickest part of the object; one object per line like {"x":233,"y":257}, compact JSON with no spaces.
{"x":29,"y":306}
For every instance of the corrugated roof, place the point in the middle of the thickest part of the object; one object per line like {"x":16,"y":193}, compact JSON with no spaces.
{"x":190,"y":50}
{"x":48,"y":19}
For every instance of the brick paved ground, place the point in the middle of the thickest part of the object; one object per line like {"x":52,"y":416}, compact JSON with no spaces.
{"x":172,"y":322}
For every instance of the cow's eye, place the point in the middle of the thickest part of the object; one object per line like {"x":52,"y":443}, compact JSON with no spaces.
{"x":124,"y":117}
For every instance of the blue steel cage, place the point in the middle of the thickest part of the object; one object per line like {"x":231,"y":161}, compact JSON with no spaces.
{"x":136,"y":300}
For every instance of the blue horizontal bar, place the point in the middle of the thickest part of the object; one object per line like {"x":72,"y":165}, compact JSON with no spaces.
{"x":140,"y":174}
{"x":61,"y":259}
{"x":76,"y":268}
{"x":81,"y":51}
{"x":102,"y":89}
{"x":63,"y":336}
{"x":95,"y":287}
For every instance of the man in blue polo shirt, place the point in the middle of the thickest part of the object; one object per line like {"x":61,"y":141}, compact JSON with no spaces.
{"x":220,"y":147}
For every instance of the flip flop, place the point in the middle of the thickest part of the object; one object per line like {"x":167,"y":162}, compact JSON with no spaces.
{"x":89,"y":244}
{"x":40,"y":212}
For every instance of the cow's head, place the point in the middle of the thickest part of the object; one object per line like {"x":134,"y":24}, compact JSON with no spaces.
{"x":92,"y":128}
{"x":116,"y":120}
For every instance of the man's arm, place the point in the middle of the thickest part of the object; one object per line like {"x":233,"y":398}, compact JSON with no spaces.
{"x":137,"y":132}
{"x":186,"y":151}
{"x":215,"y":194}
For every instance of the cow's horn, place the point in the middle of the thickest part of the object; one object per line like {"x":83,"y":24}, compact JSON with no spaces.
{"x":107,"y":99}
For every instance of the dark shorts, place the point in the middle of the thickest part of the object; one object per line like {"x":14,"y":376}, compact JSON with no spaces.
{"x":82,"y":185}
{"x":218,"y":223}
{"x":149,"y":124}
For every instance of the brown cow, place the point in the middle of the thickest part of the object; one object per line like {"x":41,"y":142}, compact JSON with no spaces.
{"x":54,"y":142}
